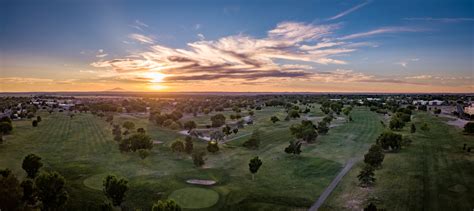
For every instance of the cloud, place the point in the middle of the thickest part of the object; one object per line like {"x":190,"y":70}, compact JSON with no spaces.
{"x":404,"y":63}
{"x":383,"y":30}
{"x":288,"y":52}
{"x":419,"y":77}
{"x":197,"y":26}
{"x":141,"y":38}
{"x":443,"y":20}
{"x":139,"y":25}
{"x":342,"y":14}
{"x":201,"y":36}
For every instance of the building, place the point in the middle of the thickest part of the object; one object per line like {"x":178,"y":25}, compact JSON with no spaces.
{"x":469,"y":109}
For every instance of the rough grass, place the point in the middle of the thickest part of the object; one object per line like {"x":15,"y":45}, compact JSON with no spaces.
{"x":82,"y":149}
{"x":433,"y":173}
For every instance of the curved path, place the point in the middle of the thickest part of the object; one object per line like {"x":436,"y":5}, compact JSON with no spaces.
{"x":333,"y":184}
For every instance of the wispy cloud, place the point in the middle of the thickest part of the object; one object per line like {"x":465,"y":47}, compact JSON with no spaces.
{"x":288,"y":52}
{"x":443,"y":20}
{"x":197,"y":26}
{"x":142,"y":38}
{"x":101,"y":53}
{"x":139,"y":25}
{"x":342,"y":14}
{"x":383,"y":30}
{"x":404,"y":63}
{"x":201,"y":36}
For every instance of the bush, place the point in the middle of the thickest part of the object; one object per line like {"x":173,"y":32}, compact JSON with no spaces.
{"x":469,"y":128}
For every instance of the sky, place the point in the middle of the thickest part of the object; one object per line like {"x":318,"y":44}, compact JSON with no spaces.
{"x":237,"y":46}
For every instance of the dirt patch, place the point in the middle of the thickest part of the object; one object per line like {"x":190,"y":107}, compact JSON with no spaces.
{"x":157,"y":142}
{"x":201,"y":182}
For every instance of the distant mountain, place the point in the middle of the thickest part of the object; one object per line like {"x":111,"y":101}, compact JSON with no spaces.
{"x":116,"y":89}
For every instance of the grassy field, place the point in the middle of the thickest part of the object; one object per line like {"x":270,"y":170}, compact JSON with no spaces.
{"x":433,"y":173}
{"x":82,"y":150}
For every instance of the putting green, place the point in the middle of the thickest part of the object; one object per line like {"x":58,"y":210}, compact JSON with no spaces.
{"x":95,"y":181}
{"x":195,"y":198}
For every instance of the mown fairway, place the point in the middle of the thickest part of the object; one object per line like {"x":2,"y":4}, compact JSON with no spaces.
{"x":82,"y":149}
{"x":433,"y":173}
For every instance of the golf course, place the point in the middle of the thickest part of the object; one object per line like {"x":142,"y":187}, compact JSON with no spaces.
{"x":82,"y":149}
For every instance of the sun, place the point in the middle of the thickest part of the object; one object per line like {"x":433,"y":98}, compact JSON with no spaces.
{"x":155,"y":77}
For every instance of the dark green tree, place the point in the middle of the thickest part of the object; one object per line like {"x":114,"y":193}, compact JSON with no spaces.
{"x":305,"y":131}
{"x":396,"y":123}
{"x":189,"y":125}
{"x":218,"y":120}
{"x":389,"y":140}
{"x":322,"y":127}
{"x":31,"y":164}
{"x":254,"y":165}
{"x":274,"y":119}
{"x":34,"y":123}
{"x":198,"y":158}
{"x":166,"y":205}
{"x":51,"y":189}
{"x":115,"y":189}
{"x":294,"y":148}
{"x":188,"y":144}
{"x":140,"y":141}
{"x":366,"y":176}
{"x":375,"y":156}
{"x":10,"y":191}
{"x":29,"y":192}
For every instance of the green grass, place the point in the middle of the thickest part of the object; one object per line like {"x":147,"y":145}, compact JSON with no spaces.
{"x":433,"y":173}
{"x":83,"y":151}
{"x":195,"y":198}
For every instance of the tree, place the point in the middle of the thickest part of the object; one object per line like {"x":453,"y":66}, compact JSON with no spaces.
{"x":294,"y":148}
{"x":390,"y":140}
{"x":10,"y":191}
{"x":274,"y":119}
{"x":217,"y":135}
{"x":141,"y":130}
{"x":322,"y":127}
{"x":254,"y":165}
{"x":218,"y":120}
{"x":115,"y":189}
{"x":235,"y":130}
{"x":198,"y":158}
{"x":212,"y":146}
{"x":124,"y":145}
{"x":51,"y":189}
{"x":254,"y":141}
{"x":31,"y":164}
{"x":140,"y":141}
{"x":396,"y":123}
{"x":227,"y":130}
{"x":34,"y":123}
{"x":143,"y":153}
{"x":128,"y":125}
{"x":29,"y":192}
{"x":6,"y":127}
{"x":188,"y":144}
{"x":38,"y":119}
{"x":305,"y":131}
{"x":117,"y":132}
{"x":375,"y":156}
{"x":412,"y":128}
{"x":189,"y":125}
{"x":437,"y":111}
{"x":166,"y":205}
{"x":293,"y":114}
{"x":469,"y":127}
{"x":366,"y":176}
{"x":177,"y":146}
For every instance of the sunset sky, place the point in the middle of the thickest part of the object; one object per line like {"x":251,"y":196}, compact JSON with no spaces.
{"x":250,"y":46}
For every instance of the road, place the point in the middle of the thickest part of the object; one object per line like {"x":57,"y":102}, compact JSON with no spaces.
{"x":333,"y":185}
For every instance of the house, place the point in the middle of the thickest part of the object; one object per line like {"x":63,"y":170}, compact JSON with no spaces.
{"x":435,"y":102}
{"x":469,"y":109}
